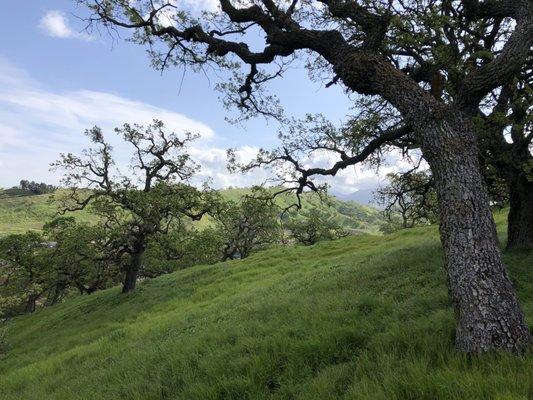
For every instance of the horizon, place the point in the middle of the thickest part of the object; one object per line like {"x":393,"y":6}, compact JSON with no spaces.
{"x":58,"y":80}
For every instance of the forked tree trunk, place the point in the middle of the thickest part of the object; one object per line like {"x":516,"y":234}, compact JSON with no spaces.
{"x":487,"y":311}
{"x":132,"y":270}
{"x":31,"y":303}
{"x":520,"y":219}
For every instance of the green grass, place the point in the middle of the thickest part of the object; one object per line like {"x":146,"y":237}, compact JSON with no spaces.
{"x":19,"y":214}
{"x":364,"y":317}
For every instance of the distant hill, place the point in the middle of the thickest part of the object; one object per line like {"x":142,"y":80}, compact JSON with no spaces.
{"x":362,"y":196}
{"x":20,"y":213}
{"x":350,"y":214}
{"x":361,"y":318}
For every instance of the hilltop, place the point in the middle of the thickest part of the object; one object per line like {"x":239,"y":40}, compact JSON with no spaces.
{"x":20,"y":213}
{"x":364,"y":317}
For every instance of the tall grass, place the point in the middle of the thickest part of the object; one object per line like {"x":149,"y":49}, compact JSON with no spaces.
{"x":360,"y":318}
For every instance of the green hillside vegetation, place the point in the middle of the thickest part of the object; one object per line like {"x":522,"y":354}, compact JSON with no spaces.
{"x":19,"y":214}
{"x":349,"y":214}
{"x":364,"y":317}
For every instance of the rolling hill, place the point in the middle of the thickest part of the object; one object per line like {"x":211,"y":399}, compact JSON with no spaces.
{"x":364,"y":317}
{"x":19,"y":214}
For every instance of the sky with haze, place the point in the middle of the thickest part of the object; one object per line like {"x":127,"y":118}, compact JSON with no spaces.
{"x":56,"y":80}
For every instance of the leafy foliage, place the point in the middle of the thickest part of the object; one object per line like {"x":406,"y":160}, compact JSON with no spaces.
{"x":248,"y":225}
{"x":26,"y":274}
{"x":36,"y":188}
{"x":28,"y":188}
{"x":409,"y":199}
{"x":181,"y":248}
{"x":314,"y":227}
{"x":82,"y":255}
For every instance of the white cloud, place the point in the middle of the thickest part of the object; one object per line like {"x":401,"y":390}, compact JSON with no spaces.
{"x":78,"y":110}
{"x":37,"y":124}
{"x":213,"y":162}
{"x":55,"y":23}
{"x":197,"y":5}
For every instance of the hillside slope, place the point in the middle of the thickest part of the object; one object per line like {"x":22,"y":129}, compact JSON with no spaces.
{"x":349,"y":214}
{"x":364,"y":317}
{"x":19,"y":214}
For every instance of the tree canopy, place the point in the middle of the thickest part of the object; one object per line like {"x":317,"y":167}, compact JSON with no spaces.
{"x":133,"y":208}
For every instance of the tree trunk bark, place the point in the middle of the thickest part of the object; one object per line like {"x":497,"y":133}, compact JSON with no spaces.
{"x":520,"y":219}
{"x":30,"y":303}
{"x":129,"y":280}
{"x":487,"y":311}
{"x":488,"y":314}
{"x":133,"y":268}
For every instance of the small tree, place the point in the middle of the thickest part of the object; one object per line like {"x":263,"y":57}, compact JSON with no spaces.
{"x":133,"y":208}
{"x":411,"y":196}
{"x":26,"y":274}
{"x":81,"y":256}
{"x":248,"y":225}
{"x":314,"y":227}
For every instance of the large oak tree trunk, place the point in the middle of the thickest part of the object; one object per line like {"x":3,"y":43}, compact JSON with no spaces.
{"x":487,"y":310}
{"x":520,"y":219}
{"x":488,"y":314}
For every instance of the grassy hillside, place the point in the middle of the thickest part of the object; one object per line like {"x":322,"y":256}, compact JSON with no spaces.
{"x":350,"y":214}
{"x":364,"y":317}
{"x":19,"y":214}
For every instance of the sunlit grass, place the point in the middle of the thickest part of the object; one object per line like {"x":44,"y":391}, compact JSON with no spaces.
{"x":19,"y":214}
{"x":360,"y":318}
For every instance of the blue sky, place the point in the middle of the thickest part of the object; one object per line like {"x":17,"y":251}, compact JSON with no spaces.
{"x":56,"y":80}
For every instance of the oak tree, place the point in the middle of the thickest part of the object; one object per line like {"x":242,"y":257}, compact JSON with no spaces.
{"x":25,"y":272}
{"x":82,"y":255}
{"x":411,"y":196}
{"x":247,"y":225}
{"x":134,"y":207}
{"x":432,"y":61}
{"x":313,"y":227}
